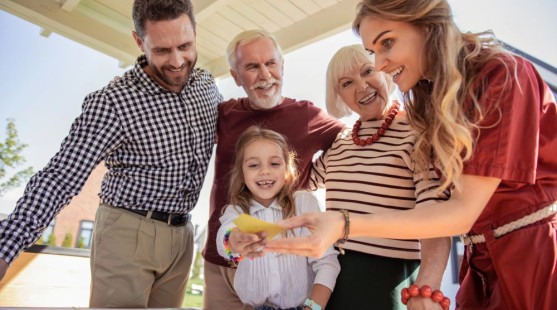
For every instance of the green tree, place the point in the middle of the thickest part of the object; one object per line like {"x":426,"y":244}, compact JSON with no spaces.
{"x":10,"y":158}
{"x":67,"y":240}
{"x":40,"y":241}
{"x":196,"y":269}
{"x":81,"y":243}
{"x":52,"y":239}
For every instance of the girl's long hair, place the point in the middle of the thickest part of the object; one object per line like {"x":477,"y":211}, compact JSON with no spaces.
{"x":239,"y":194}
{"x":446,"y":111}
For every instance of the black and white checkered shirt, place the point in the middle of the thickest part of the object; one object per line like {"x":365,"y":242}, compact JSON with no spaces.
{"x":156,"y":144}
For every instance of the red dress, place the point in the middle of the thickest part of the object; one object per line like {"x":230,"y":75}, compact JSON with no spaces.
{"x":517,"y":270}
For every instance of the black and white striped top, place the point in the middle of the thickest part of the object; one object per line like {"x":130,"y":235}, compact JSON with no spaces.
{"x":156,"y":145}
{"x":375,"y":178}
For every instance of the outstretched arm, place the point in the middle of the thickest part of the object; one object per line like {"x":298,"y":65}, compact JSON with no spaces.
{"x":452,"y":217}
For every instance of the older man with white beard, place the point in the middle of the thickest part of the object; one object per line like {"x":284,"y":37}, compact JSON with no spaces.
{"x":256,"y":64}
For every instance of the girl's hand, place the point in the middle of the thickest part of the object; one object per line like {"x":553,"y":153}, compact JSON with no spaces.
{"x":325,"y":227}
{"x":245,"y":244}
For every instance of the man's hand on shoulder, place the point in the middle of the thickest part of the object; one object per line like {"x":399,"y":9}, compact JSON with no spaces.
{"x":114,"y":80}
{"x":3,"y":268}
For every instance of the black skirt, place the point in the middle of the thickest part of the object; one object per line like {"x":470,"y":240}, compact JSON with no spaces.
{"x":369,"y":281}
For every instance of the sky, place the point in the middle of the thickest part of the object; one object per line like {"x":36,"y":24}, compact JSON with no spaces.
{"x":46,"y":79}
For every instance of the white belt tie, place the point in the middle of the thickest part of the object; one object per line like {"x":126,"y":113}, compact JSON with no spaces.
{"x":514,"y":225}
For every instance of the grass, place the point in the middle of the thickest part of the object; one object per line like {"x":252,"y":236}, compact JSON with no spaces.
{"x":193,"y":300}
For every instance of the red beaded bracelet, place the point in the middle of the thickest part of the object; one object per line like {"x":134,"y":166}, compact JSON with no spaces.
{"x":426,"y":292}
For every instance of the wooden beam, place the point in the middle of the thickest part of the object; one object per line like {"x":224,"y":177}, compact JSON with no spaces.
{"x":45,"y":32}
{"x":205,"y":8}
{"x":218,"y":67}
{"x":69,"y":5}
{"x":323,"y":24}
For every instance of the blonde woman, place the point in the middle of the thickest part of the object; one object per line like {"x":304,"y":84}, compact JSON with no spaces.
{"x":368,"y":169}
{"x":488,"y":122}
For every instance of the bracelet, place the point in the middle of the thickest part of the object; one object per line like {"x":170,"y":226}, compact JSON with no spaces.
{"x":346,"y":230}
{"x":311,"y":304}
{"x":234,"y":258}
{"x":414,"y":290}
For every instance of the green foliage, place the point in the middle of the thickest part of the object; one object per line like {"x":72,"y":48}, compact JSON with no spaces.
{"x":67,"y":240}
{"x":193,"y":299}
{"x":40,"y":241}
{"x":10,"y":158}
{"x":81,"y":243}
{"x":196,"y":268}
{"x":52,"y":239}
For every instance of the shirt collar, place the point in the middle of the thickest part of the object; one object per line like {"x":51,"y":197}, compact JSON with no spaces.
{"x":256,"y":206}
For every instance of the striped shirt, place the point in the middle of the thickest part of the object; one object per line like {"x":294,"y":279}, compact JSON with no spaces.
{"x":280,"y":280}
{"x":156,"y":145}
{"x":373,"y":179}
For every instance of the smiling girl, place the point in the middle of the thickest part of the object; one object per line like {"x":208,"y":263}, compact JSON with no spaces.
{"x":261,"y":185}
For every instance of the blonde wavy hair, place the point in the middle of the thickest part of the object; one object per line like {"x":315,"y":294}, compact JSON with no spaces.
{"x":238,"y":192}
{"x":445,"y":111}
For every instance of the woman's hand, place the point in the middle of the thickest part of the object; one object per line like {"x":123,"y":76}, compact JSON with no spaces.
{"x":420,"y":303}
{"x":325,"y":227}
{"x":245,"y":244}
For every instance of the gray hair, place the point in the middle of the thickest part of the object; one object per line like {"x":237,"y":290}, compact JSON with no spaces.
{"x":344,"y":61}
{"x":244,"y":38}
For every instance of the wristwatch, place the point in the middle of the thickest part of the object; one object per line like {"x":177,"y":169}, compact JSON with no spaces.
{"x":312,"y":304}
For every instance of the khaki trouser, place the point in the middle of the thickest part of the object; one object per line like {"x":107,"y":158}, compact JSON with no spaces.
{"x":219,"y":293}
{"x":138,"y":262}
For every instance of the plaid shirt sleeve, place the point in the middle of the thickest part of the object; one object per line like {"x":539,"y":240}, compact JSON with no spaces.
{"x":93,"y":135}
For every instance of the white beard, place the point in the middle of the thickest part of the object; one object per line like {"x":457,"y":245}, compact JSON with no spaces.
{"x":265,"y":102}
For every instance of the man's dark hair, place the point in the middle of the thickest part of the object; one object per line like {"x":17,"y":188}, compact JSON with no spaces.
{"x":156,"y":10}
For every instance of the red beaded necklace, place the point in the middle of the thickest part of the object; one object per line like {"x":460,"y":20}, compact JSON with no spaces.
{"x":378,"y":134}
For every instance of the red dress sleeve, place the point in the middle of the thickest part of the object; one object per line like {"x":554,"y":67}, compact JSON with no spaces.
{"x":508,"y":138}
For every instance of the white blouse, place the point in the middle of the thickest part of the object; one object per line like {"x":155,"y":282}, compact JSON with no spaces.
{"x":280,"y":280}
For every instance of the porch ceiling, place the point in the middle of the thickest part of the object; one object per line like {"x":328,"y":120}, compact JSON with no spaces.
{"x":106,"y":25}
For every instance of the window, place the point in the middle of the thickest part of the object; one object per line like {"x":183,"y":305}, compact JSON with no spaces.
{"x":48,"y":231}
{"x":85,"y":235}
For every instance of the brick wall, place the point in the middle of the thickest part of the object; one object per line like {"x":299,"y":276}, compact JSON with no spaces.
{"x":82,"y":207}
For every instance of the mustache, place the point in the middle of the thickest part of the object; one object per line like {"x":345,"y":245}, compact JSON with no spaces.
{"x":265,"y":84}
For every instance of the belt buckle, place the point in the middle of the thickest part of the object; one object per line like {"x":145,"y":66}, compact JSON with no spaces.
{"x":180,"y":219}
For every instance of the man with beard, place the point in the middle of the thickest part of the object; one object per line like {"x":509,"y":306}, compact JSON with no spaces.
{"x":155,"y":129}
{"x":256,"y":63}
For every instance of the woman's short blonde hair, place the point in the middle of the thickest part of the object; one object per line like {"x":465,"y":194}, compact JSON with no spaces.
{"x":344,"y":61}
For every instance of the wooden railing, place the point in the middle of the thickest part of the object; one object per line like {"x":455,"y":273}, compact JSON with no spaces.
{"x":47,"y":276}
